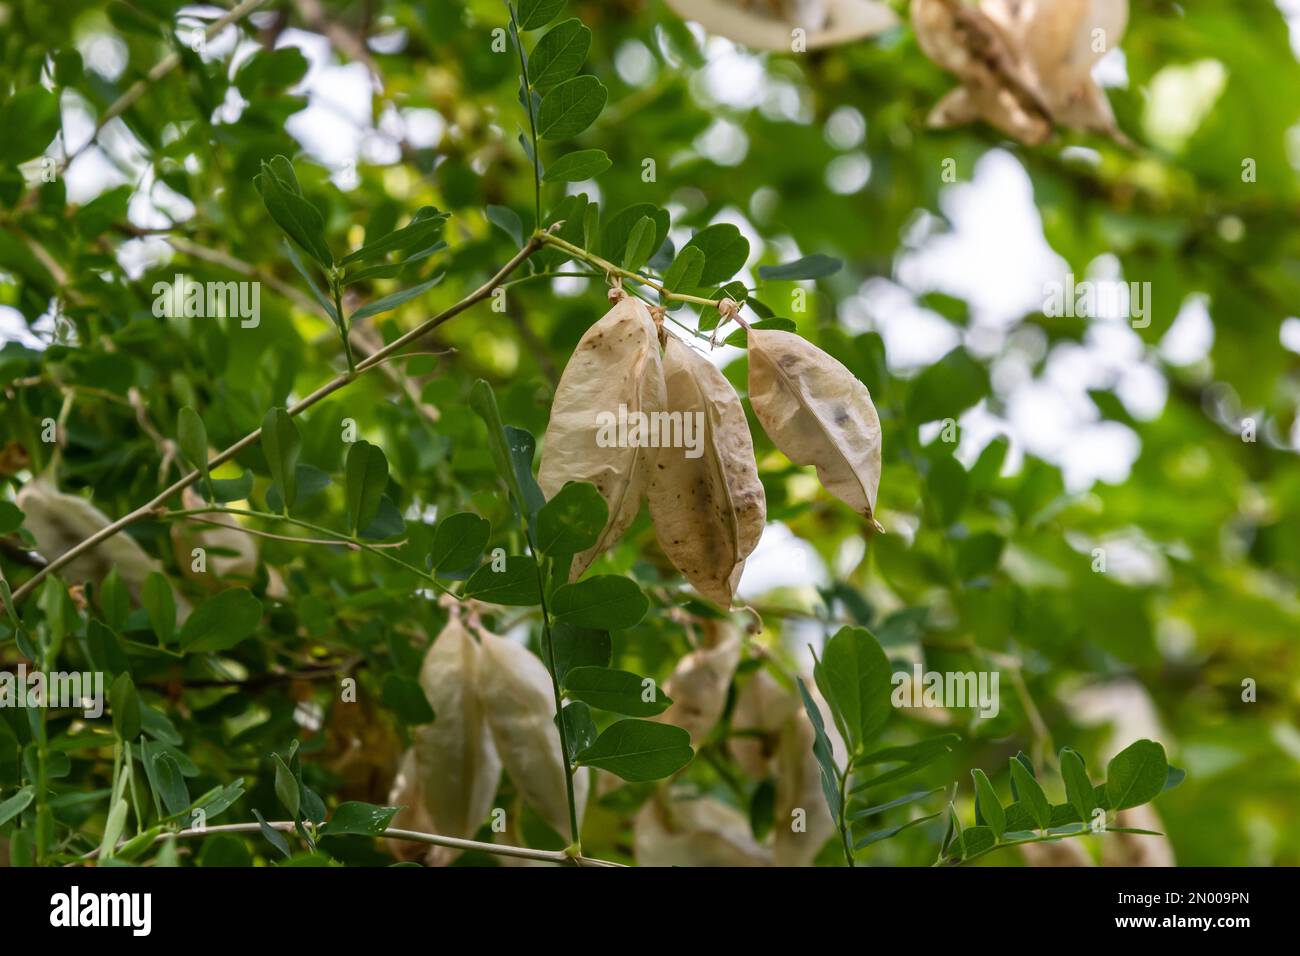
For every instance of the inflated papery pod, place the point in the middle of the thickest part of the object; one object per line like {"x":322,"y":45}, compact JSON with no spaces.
{"x":786,"y":26}
{"x":232,"y":553}
{"x":59,"y":521}
{"x":817,"y":413}
{"x":407,"y":794}
{"x":762,"y":708}
{"x":695,"y":831}
{"x":596,"y":432}
{"x":700,"y":681}
{"x":456,"y":756}
{"x":519,"y":702}
{"x":802,"y":822}
{"x":706,"y":501}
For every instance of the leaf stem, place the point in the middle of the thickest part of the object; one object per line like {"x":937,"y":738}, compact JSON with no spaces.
{"x":610,"y":269}
{"x":526,"y":88}
{"x":329,"y":388}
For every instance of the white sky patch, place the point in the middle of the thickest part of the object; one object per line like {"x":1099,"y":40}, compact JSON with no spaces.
{"x":848,"y":174}
{"x":781,"y":560}
{"x":723,"y":143}
{"x":1290,"y":334}
{"x":1291,"y":10}
{"x":730,"y":77}
{"x":1191,"y":337}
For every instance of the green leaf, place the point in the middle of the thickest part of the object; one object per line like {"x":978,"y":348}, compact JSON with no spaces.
{"x":975,"y":840}
{"x":538,"y":13}
{"x":823,"y":751}
{"x":11,"y":518}
{"x":508,"y":221}
{"x":740,"y":338}
{"x":160,"y":604}
{"x":30,"y":120}
{"x":299,"y":219}
{"x":419,"y":234}
{"x":484,"y":403}
{"x":886,"y":834}
{"x":1136,"y":774}
{"x":125,"y":703}
{"x":639,"y":750}
{"x":170,"y":783}
{"x":271,"y":70}
{"x":854,"y":676}
{"x":947,"y":388}
{"x":987,"y":806}
{"x":221,"y":622}
{"x":571,"y":521}
{"x":640,"y":244}
{"x":621,"y":692}
{"x":522,"y":447}
{"x":579,"y":728}
{"x":281,"y":445}
{"x":559,"y":55}
{"x":193,"y":439}
{"x":575,"y":647}
{"x":286,"y":787}
{"x":367,"y":477}
{"x":458,"y":541}
{"x":359,"y":819}
{"x":571,"y":107}
{"x":1078,"y":788}
{"x":114,"y":601}
{"x":893,"y":804}
{"x":606,"y":602}
{"x":577,"y":166}
{"x":725,"y":251}
{"x":809,"y":267}
{"x":16,"y":804}
{"x":1030,"y":793}
{"x":618,"y":229}
{"x":390,"y":302}
{"x":686,"y":270}
{"x":272,"y":835}
{"x":514,"y":586}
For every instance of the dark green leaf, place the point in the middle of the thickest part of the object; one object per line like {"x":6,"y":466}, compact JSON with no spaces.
{"x":579,"y":728}
{"x":538,"y":13}
{"x":987,"y":806}
{"x":458,"y":541}
{"x":1030,"y":793}
{"x":576,"y":166}
{"x":578,"y":647}
{"x":222,"y":621}
{"x":508,"y":221}
{"x":513,"y":586}
{"x":367,"y":477}
{"x":606,"y":602}
{"x":640,"y":244}
{"x":725,"y":251}
{"x":1136,"y":774}
{"x":823,"y":751}
{"x":193,"y":439}
{"x":125,"y":703}
{"x":281,"y":445}
{"x":1078,"y":788}
{"x":621,"y":692}
{"x":390,"y":302}
{"x":571,"y":107}
{"x":558,"y":56}
{"x":639,"y":750}
{"x":359,"y":819}
{"x":809,"y":267}
{"x":160,"y":604}
{"x":886,"y":834}
{"x":571,"y":521}
{"x":854,"y":676}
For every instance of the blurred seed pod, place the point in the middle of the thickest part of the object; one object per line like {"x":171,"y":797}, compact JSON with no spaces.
{"x":802,"y":822}
{"x":708,"y":510}
{"x":232,"y":553}
{"x":699,"y":831}
{"x":817,"y":413}
{"x":699,"y":684}
{"x":519,"y":702}
{"x":770,"y":24}
{"x":455,"y":756}
{"x":616,"y":367}
{"x":59,"y":521}
{"x":407,"y":794}
{"x":762,"y":708}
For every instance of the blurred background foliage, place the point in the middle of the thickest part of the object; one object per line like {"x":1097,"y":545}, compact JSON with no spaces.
{"x":989,"y":559}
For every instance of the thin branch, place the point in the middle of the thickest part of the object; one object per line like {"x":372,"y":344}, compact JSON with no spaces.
{"x":329,"y":388}
{"x":394,"y":833}
{"x":610,"y":269}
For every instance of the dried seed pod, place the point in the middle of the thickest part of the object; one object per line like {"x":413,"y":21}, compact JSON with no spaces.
{"x":768,"y":24}
{"x":232,"y":552}
{"x":702,"y":831}
{"x":455,"y":756}
{"x":698,"y":686}
{"x":614,"y":377}
{"x":762,"y":706}
{"x":519,"y":703}
{"x":58,"y":522}
{"x":818,"y":414}
{"x":706,"y":500}
{"x":1024,"y":65}
{"x":802,"y":822}
{"x":407,"y":793}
